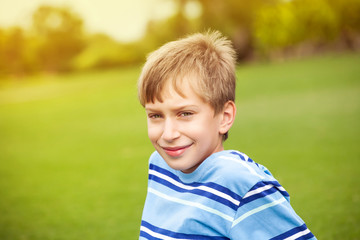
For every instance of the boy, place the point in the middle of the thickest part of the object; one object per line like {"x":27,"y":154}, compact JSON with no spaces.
{"x":196,"y":189}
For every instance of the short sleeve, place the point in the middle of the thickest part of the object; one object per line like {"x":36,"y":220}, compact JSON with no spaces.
{"x":265,"y":213}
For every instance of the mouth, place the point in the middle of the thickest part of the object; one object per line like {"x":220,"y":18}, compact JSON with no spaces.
{"x":175,"y":151}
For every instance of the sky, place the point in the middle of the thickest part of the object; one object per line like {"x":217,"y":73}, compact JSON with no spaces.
{"x":124,"y":20}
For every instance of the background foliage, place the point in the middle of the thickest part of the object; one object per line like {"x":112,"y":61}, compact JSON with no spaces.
{"x":259,"y":29}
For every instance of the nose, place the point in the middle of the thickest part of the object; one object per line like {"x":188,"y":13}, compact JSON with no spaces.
{"x":170,"y":131}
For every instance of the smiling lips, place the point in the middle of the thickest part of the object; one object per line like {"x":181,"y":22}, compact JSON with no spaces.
{"x":175,"y":151}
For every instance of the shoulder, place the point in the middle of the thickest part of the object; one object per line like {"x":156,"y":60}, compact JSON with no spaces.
{"x":236,"y":171}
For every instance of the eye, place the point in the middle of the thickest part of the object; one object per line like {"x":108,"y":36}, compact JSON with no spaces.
{"x":154,"y":116}
{"x":186,"y":114}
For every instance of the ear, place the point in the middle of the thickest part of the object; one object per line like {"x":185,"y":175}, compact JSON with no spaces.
{"x":228,"y":117}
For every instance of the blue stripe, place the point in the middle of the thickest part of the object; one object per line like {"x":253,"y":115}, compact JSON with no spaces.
{"x":257,"y":196}
{"x":175,"y":234}
{"x":148,"y":236}
{"x":243,"y":158}
{"x":195,"y":184}
{"x":274,"y":183}
{"x":195,"y":191}
{"x":239,"y":155}
{"x":307,"y":236}
{"x":293,"y":232}
{"x":265,"y":193}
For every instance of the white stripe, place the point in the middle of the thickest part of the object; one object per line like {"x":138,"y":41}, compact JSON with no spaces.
{"x":204,"y":188}
{"x":297,"y":235}
{"x":242,"y":163}
{"x":193,"y":204}
{"x":258,"y":209}
{"x":261,"y":189}
{"x":258,"y":190}
{"x":157,"y":235}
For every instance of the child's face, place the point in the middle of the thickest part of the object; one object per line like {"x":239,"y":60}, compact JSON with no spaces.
{"x":183,"y":130}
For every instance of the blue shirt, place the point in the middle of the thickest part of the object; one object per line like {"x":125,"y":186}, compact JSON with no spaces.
{"x":228,"y":196}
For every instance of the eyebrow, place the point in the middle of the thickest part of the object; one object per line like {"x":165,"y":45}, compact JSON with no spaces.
{"x":176,"y":108}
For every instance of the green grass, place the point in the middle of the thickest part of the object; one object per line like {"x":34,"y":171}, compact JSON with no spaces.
{"x":74,"y":148}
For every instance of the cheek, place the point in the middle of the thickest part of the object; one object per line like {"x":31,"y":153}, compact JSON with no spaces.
{"x":153,"y":132}
{"x":203,"y":128}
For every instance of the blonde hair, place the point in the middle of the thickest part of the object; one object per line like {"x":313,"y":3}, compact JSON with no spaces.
{"x":208,"y":57}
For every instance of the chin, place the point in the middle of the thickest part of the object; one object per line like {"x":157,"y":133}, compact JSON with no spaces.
{"x":176,"y":165}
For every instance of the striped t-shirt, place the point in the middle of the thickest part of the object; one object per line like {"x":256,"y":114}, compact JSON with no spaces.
{"x":228,"y":196}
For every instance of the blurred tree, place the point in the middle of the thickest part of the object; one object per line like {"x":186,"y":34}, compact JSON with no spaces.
{"x":102,"y":51}
{"x":60,"y":33}
{"x":348,"y":17}
{"x":267,"y":25}
{"x":235,"y":18}
{"x":2,"y":51}
{"x":181,"y":23}
{"x":12,"y":44}
{"x":99,"y":49}
{"x":57,"y":41}
{"x":179,"y":20}
{"x":286,"y":24}
{"x":317,"y":20}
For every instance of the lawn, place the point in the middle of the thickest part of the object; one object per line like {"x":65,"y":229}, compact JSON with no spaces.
{"x":74,"y":148}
